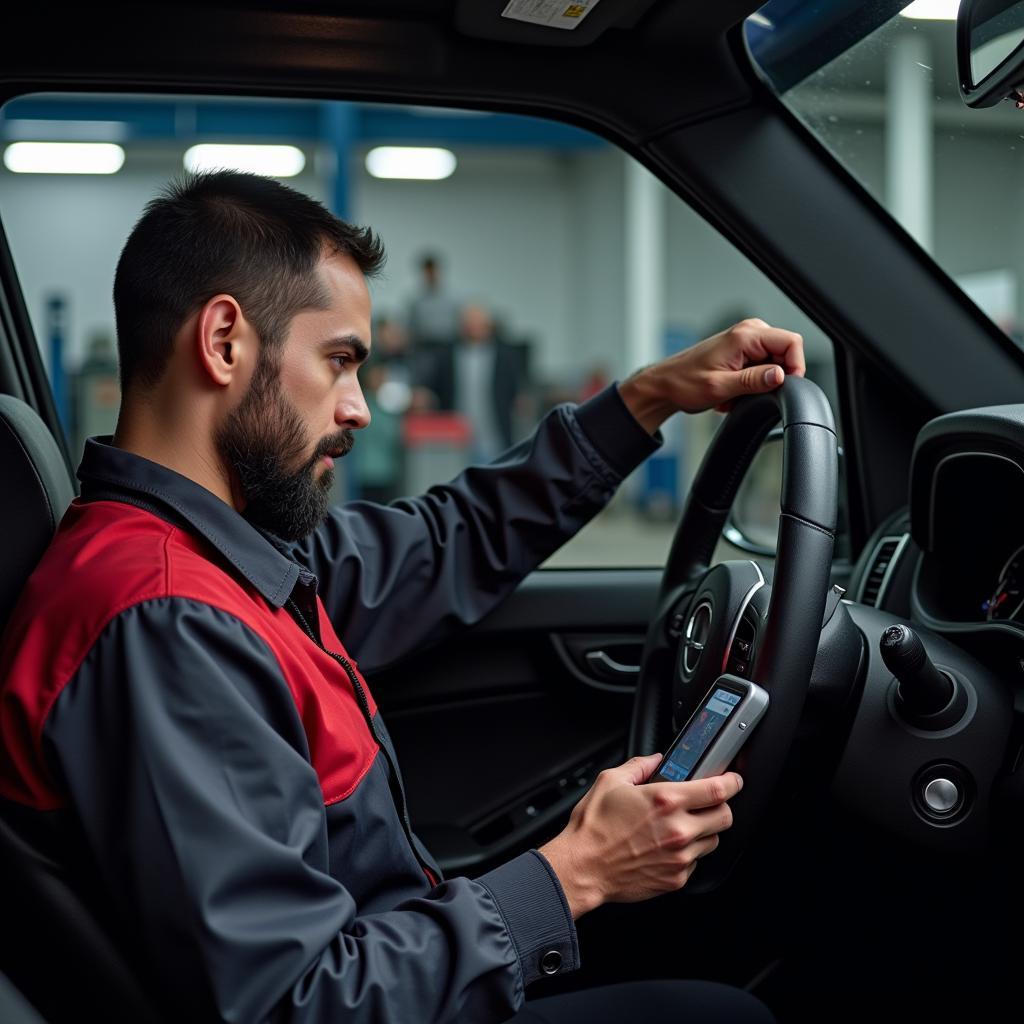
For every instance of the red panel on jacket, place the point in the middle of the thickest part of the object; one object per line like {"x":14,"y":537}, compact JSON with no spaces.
{"x":108,"y":556}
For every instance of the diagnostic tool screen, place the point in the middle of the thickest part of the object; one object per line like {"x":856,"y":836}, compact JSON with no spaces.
{"x":703,"y":728}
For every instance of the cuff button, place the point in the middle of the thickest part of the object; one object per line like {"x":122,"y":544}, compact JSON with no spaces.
{"x":551,"y":961}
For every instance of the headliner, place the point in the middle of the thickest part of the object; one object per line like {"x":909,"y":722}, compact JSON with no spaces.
{"x":645,"y":67}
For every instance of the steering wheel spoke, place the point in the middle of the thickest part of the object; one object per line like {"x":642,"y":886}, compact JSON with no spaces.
{"x":705,"y":647}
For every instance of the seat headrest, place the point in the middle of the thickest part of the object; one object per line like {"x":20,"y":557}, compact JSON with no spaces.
{"x":37,"y":491}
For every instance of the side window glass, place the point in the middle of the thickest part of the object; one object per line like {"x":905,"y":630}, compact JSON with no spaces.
{"x":529,"y":263}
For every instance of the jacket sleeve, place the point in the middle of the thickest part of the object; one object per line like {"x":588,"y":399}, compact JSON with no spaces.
{"x":186,"y":763}
{"x":395,"y":578}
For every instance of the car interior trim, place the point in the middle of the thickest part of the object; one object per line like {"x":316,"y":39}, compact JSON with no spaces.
{"x":901,"y":543}
{"x":739,"y":615}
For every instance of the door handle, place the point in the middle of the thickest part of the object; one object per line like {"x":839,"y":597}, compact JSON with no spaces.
{"x":608,"y":667}
{"x":594,"y":658}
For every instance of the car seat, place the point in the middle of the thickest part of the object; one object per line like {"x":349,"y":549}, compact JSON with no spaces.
{"x":52,"y":946}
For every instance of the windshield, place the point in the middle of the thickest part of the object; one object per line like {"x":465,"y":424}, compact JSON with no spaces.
{"x":877,"y":83}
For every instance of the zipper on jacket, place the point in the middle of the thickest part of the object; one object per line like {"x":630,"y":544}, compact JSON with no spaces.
{"x":397,"y":794}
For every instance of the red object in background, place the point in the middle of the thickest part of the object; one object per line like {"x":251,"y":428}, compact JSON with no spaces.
{"x":597,"y":380}
{"x":422,"y":428}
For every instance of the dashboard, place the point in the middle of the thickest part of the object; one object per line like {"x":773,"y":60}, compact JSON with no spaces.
{"x":957,"y":556}
{"x":951,"y":568}
{"x":1007,"y":599}
{"x":972,"y":537}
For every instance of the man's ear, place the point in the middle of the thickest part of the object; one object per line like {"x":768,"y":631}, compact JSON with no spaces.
{"x":223,"y":339}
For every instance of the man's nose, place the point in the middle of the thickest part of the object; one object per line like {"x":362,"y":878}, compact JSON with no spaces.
{"x":351,"y":410}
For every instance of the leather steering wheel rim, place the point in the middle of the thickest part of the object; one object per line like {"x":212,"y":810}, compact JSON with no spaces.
{"x":788,"y":642}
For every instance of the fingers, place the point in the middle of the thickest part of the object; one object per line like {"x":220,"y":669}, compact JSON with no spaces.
{"x":709,"y":792}
{"x":760,"y":342}
{"x":751,"y":380}
{"x":787,"y":348}
{"x":636,"y":770}
{"x":705,"y":846}
{"x":711,"y":820}
{"x":752,"y":358}
{"x":694,"y":853}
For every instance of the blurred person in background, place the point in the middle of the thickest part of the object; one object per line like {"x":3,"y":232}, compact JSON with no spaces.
{"x":482,"y":377}
{"x":433,"y":312}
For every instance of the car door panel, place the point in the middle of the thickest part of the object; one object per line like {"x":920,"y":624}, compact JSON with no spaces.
{"x":497,"y":734}
{"x":501,"y":730}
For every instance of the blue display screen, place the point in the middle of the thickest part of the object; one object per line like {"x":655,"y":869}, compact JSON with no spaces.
{"x":703,"y":728}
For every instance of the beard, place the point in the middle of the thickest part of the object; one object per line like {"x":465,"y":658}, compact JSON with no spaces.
{"x":262,"y":440}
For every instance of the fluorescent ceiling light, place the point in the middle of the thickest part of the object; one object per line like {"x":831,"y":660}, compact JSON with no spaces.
{"x":444,"y":111}
{"x":270,"y":161}
{"x":43,"y":130}
{"x":932,"y":10}
{"x":422,"y":163}
{"x":63,"y":158}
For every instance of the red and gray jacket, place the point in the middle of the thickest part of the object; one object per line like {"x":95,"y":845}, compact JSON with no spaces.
{"x":179,"y":714}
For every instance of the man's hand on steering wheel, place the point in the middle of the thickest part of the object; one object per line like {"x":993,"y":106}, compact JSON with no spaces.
{"x":744,"y":360}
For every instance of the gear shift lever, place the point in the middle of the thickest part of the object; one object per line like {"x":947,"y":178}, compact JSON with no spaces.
{"x":927,"y":697}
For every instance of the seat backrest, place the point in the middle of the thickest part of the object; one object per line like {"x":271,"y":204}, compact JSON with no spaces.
{"x":36,"y":492}
{"x":52,"y":946}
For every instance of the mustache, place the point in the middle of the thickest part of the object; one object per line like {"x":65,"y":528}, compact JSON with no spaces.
{"x":336,"y":447}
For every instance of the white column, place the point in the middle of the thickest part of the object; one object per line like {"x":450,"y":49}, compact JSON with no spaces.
{"x":645,"y":266}
{"x":908,"y":137}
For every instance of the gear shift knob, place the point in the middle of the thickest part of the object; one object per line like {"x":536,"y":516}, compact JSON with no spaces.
{"x":924,"y":691}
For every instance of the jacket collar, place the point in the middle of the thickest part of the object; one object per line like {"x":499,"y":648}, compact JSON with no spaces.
{"x":106,"y":471}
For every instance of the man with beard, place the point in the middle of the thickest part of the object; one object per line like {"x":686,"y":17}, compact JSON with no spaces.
{"x":180,"y":708}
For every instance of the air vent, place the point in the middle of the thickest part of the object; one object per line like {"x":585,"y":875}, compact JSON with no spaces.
{"x":880,"y":568}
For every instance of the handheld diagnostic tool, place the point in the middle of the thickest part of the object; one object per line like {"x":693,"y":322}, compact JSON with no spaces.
{"x":715,"y":732}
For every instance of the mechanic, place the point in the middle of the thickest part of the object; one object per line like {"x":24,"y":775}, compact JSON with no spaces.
{"x":177,"y":699}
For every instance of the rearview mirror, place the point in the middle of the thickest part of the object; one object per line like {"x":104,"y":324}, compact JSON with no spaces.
{"x":990,"y":54}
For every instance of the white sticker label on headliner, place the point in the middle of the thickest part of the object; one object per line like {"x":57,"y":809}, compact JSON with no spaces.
{"x":553,"y":13}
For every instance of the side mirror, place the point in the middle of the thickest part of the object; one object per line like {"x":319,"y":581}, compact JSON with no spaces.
{"x":990,"y":51}
{"x":753,"y":523}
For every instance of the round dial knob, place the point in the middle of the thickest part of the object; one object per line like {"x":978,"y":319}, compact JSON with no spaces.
{"x":941,"y":795}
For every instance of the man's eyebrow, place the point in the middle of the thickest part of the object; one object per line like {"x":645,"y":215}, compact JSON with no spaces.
{"x":354,"y":342}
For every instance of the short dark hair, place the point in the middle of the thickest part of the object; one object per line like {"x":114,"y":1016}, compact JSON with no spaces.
{"x":224,"y":231}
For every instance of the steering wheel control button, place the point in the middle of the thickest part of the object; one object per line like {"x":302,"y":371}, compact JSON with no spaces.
{"x":941,"y":796}
{"x":551,"y":962}
{"x":698,"y":629}
{"x":742,"y":649}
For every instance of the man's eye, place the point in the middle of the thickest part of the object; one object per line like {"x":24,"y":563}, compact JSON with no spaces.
{"x":340,"y":361}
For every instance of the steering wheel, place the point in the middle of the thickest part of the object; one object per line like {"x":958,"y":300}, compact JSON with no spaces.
{"x":700,"y":608}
